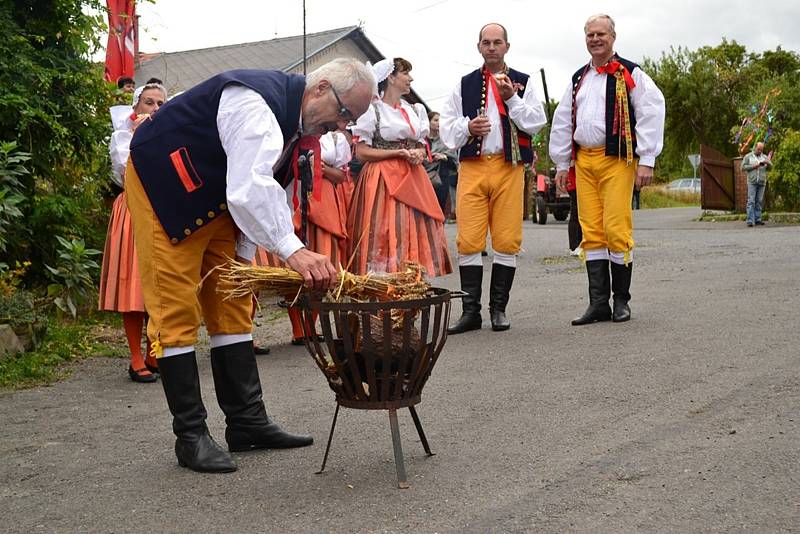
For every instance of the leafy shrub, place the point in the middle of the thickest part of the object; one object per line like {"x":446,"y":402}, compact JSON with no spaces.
{"x":784,"y":178}
{"x":73,"y":283}
{"x":12,"y":170}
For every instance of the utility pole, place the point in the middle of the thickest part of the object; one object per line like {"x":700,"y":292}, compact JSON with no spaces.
{"x":304,"y":37}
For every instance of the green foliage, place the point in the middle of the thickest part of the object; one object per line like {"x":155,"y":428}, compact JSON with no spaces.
{"x":12,"y":172}
{"x":653,"y":197}
{"x":73,"y":284}
{"x":63,"y":343}
{"x":53,"y":104}
{"x":784,"y":178}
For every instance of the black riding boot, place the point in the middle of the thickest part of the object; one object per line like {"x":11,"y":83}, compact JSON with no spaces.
{"x":599,"y":293}
{"x":195,"y":448}
{"x":471,"y":280}
{"x":239,"y":395}
{"x":502,"y":279}
{"x":621,"y":285}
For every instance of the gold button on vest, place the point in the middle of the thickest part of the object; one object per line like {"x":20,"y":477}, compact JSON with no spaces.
{"x":211,"y":214}
{"x":187,"y":231}
{"x":223,"y":206}
{"x":199,"y":222}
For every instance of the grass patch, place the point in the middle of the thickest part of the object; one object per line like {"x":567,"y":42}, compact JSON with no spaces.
{"x":65,"y":342}
{"x":653,"y":197}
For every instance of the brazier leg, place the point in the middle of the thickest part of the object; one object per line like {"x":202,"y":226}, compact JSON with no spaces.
{"x":402,"y":482}
{"x":421,"y":433}
{"x":330,"y":438}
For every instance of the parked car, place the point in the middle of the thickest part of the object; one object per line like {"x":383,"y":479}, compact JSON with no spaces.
{"x":684,"y":185}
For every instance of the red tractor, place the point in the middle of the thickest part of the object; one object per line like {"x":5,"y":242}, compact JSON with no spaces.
{"x":548,"y":199}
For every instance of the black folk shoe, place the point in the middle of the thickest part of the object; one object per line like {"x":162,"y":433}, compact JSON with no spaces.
{"x":471,"y":281}
{"x":239,"y":395}
{"x":599,"y":293}
{"x":499,"y":290}
{"x":621,"y":286}
{"x":194,"y":448}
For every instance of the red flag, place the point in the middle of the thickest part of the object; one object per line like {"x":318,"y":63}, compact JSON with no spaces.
{"x":122,"y":39}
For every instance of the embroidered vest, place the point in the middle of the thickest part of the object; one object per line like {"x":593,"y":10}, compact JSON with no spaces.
{"x":473,"y":98}
{"x":612,"y":138}
{"x":178,"y":155}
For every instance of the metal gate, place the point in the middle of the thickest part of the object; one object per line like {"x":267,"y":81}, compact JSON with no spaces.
{"x":717,"y":187}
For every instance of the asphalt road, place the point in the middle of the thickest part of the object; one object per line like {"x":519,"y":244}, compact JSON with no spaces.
{"x":685,"y":419}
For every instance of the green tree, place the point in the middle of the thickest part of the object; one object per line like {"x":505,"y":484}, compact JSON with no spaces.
{"x":53,"y":104}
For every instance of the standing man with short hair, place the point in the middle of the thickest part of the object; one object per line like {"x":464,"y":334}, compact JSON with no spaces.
{"x":756,"y":164}
{"x":490,"y":116}
{"x":610,"y":125}
{"x":201,"y":189}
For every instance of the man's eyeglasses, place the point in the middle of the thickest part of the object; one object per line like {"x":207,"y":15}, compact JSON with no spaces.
{"x":343,"y":111}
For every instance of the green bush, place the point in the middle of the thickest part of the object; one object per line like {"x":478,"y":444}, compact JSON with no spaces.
{"x":73,"y":284}
{"x":785,"y":175}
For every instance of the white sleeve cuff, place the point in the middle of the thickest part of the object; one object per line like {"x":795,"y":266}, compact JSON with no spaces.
{"x":288,"y":246}
{"x":647,"y":161}
{"x":514,"y":102}
{"x":245,"y":248}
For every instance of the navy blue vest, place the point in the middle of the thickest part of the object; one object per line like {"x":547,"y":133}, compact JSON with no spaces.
{"x":473,"y":95}
{"x":612,"y":139}
{"x":178,"y":155}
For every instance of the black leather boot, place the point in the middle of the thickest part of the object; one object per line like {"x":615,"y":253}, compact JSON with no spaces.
{"x":502,"y":279}
{"x":599,"y":293}
{"x":621,"y":286}
{"x":471,"y":281}
{"x":195,"y":448}
{"x":239,"y":395}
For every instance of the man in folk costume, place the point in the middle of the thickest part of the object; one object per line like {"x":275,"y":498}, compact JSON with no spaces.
{"x":200,"y":190}
{"x":490,"y":116}
{"x":611,"y":115}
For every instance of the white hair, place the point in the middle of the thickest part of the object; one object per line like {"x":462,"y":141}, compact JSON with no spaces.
{"x":600,"y":16}
{"x":344,"y":74}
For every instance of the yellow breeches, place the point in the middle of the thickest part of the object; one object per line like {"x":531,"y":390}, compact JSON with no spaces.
{"x":605,"y":187}
{"x":489,"y":197}
{"x":171,"y":275}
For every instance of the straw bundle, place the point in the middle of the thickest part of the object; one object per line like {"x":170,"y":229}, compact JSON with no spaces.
{"x":240,"y":279}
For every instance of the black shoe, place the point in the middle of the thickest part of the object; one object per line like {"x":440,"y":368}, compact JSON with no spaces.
{"x":194,"y":448}
{"x":621,"y":286}
{"x":137,"y":375}
{"x":152,"y":368}
{"x":239,"y":394}
{"x":260,"y":351}
{"x":760,"y":223}
{"x":599,"y":293}
{"x":502,"y":279}
{"x":749,"y":224}
{"x":471,"y":281}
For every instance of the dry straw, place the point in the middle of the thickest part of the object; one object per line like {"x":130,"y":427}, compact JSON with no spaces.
{"x":240,"y":279}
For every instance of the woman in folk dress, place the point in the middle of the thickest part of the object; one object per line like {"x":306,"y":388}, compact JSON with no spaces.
{"x":394,"y":215}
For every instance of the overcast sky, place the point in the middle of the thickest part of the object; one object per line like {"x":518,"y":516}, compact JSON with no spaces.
{"x":439,"y":36}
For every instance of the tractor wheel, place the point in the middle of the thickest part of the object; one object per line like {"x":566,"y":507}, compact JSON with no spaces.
{"x":541,"y":210}
{"x":561,"y":214}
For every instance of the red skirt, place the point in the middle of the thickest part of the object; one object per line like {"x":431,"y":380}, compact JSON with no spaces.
{"x":394,"y":217}
{"x":120,"y":285}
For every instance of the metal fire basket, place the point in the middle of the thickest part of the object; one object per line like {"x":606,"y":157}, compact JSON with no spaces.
{"x":378,"y":355}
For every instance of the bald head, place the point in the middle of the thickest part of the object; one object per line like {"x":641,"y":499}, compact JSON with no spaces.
{"x":494,"y":25}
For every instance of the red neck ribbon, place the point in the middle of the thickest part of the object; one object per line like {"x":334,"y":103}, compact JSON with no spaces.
{"x":614,"y":66}
{"x":498,"y":100}
{"x":310,"y":143}
{"x":404,"y":113}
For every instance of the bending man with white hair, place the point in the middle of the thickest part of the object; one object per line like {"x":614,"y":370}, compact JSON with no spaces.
{"x":201,"y":189}
{"x":610,"y":126}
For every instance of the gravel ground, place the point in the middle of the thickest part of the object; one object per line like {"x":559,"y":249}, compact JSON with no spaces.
{"x":685,"y":419}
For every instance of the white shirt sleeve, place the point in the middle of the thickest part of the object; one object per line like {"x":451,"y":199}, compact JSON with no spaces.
{"x":120,"y":149}
{"x":648,"y":105}
{"x":253,"y":142}
{"x":527,"y":112}
{"x":561,"y":132}
{"x":424,"y":124}
{"x":365,"y":126}
{"x":453,"y":125}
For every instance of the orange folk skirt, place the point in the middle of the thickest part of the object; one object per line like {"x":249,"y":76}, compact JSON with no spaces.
{"x":394,"y":217}
{"x":120,"y":284}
